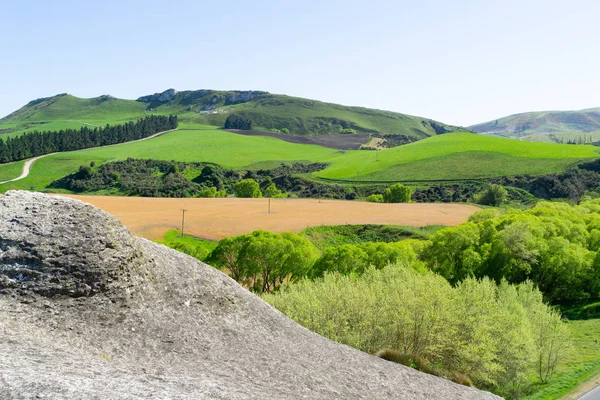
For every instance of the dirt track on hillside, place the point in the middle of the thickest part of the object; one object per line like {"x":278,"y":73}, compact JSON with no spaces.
{"x":217,"y":218}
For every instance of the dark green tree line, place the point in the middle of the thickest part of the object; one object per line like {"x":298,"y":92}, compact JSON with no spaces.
{"x":36,"y":143}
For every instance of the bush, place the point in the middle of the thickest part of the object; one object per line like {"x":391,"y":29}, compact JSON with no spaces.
{"x":271,"y":191}
{"x":247,"y":188}
{"x":348,"y":131}
{"x":397,"y":193}
{"x":493,"y":195}
{"x":494,"y":334}
{"x":263,"y":260}
{"x":209,"y":192}
{"x":375,"y":198}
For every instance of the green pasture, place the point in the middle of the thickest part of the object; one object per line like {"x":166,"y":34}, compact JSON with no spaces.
{"x":456,"y":156}
{"x":62,"y":112}
{"x":227,"y":149}
{"x":581,"y":364}
{"x":10,"y":171}
{"x":453,"y":156}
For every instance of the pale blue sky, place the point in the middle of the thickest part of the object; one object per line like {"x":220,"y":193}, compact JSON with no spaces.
{"x":459,"y":62}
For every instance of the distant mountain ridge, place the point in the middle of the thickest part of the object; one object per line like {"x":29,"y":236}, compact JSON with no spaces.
{"x":211,"y":107}
{"x":543,"y":123}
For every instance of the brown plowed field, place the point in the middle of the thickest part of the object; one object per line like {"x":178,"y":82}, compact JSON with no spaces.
{"x":217,"y":218}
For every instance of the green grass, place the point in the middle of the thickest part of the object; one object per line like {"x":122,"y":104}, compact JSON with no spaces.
{"x":268,"y":111}
{"x":326,"y":236}
{"x":66,"y":111}
{"x":450,"y":156}
{"x":277,"y":111}
{"x":190,"y":245}
{"x":453,"y":156}
{"x":227,"y":149}
{"x":535,"y":125}
{"x":582,"y":364}
{"x":10,"y":171}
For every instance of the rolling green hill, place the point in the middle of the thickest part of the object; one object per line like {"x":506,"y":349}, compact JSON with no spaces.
{"x":546,"y":126}
{"x":211,"y":107}
{"x":455,"y":156}
{"x":65,"y":111}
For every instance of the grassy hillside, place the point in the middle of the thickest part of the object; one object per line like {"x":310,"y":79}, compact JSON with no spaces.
{"x":546,"y":125}
{"x":10,"y":171}
{"x":456,"y":156}
{"x":453,"y":156}
{"x":211,"y":107}
{"x":66,"y":111}
{"x":304,"y":117}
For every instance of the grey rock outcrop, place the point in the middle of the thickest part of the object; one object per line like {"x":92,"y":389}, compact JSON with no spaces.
{"x":163,"y":97}
{"x":242,"y":97}
{"x":89,"y":311}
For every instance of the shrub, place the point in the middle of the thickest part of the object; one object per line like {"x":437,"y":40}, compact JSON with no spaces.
{"x":397,"y":193}
{"x":493,"y":195}
{"x":348,"y":131}
{"x":271,"y":191}
{"x":375,"y":198}
{"x":208,"y":192}
{"x":498,"y":335}
{"x":247,"y":188}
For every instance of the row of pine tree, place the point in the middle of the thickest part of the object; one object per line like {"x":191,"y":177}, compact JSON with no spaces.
{"x":36,"y":143}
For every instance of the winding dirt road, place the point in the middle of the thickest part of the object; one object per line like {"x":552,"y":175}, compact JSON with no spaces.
{"x":29,"y":163}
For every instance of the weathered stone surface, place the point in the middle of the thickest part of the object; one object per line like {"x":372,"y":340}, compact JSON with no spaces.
{"x":242,"y":96}
{"x":163,"y":97}
{"x":88,"y":311}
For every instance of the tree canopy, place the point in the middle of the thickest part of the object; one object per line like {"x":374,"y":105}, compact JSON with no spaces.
{"x":397,"y":193}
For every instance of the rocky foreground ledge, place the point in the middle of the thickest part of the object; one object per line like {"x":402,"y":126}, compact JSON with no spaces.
{"x":89,"y":311}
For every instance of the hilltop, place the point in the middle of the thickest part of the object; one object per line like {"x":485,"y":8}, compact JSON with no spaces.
{"x":555,"y":126}
{"x":211,"y":107}
{"x":91,"y":311}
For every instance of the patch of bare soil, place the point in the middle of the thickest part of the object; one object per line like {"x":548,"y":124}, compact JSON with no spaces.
{"x":217,"y":218}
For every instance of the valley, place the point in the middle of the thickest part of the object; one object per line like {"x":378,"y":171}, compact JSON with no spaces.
{"x":301,"y":200}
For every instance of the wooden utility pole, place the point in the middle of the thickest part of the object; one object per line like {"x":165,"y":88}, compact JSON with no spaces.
{"x":183,"y":210}
{"x":269,"y":205}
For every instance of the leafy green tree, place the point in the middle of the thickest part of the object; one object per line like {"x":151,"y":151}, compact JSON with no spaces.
{"x":553,"y":244}
{"x":452,"y":252}
{"x":493,"y":195}
{"x":85,"y":171}
{"x":345,"y":259}
{"x":375,"y":198}
{"x":247,"y":188}
{"x":397,"y":193}
{"x":208,"y":192}
{"x":264,"y":260}
{"x":492,"y":333}
{"x":229,"y":255}
{"x":272,"y":192}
